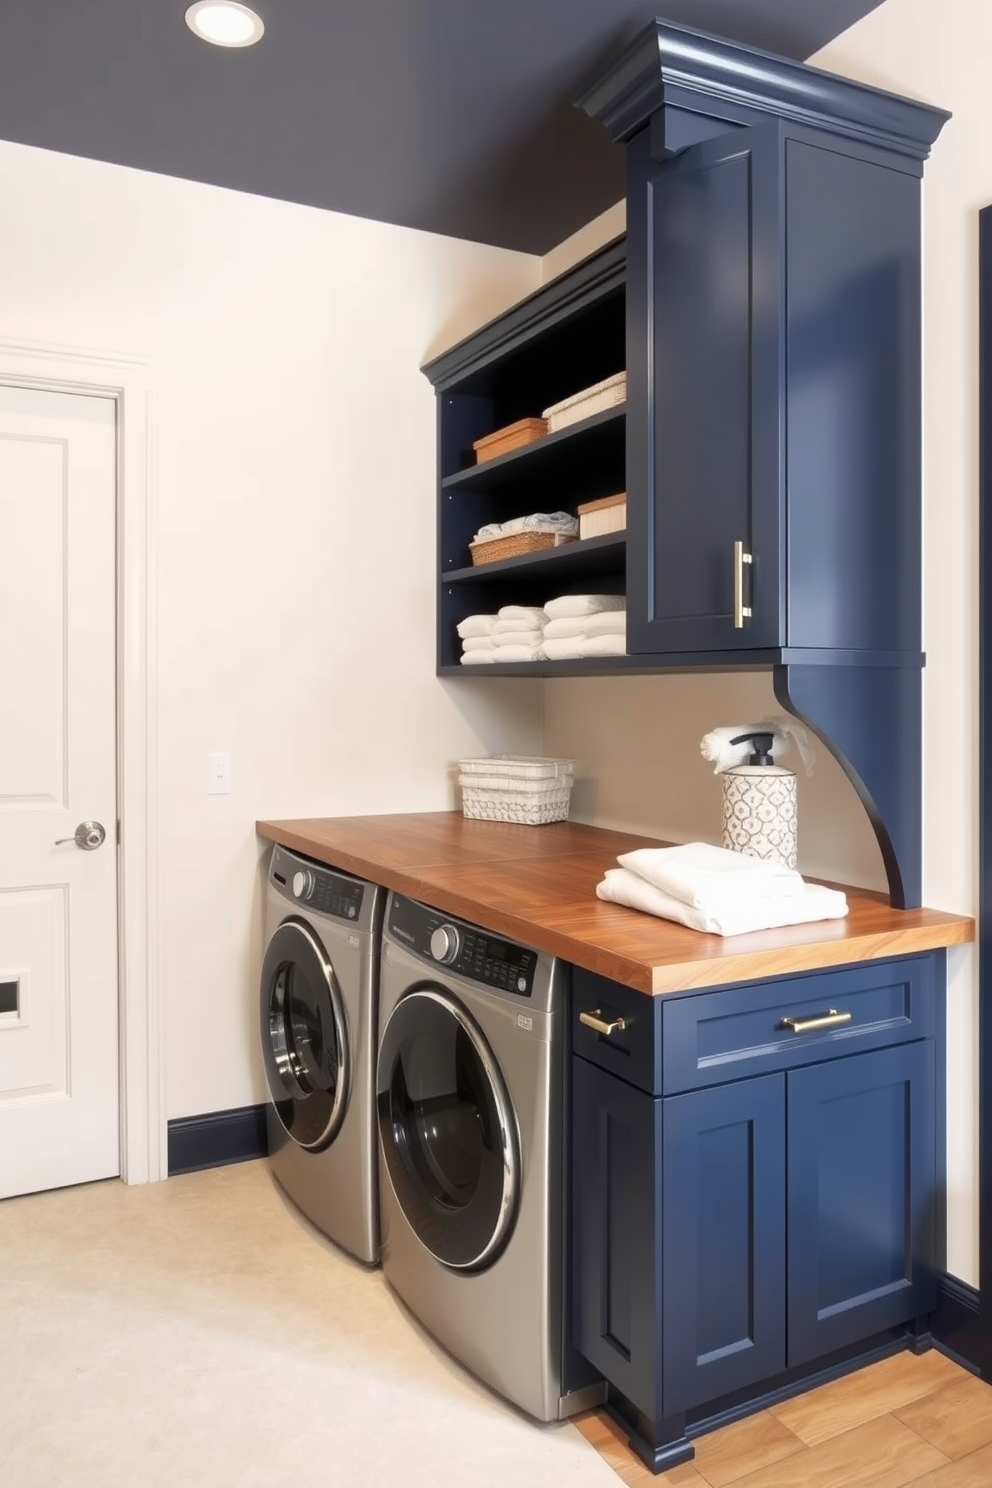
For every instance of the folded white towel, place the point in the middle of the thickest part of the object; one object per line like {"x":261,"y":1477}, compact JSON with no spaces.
{"x":707,"y":877}
{"x":517,"y":638}
{"x":477,"y":658}
{"x":516,"y":627}
{"x":571,"y":605}
{"x":476,"y":625}
{"x":529,"y":614}
{"x":609,"y":622}
{"x":479,"y":643}
{"x":620,"y":886}
{"x":516,"y":653}
{"x":567,"y":647}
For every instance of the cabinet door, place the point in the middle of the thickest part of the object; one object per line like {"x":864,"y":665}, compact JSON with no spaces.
{"x":723,"y":1247}
{"x":862,"y":1197}
{"x":616,"y":1251}
{"x":704,"y":417}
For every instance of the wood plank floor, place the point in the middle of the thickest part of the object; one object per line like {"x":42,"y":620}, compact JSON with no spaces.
{"x":909,"y":1419}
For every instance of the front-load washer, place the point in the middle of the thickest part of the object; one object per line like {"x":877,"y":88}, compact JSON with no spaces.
{"x":318,"y":1029}
{"x":469,"y":1104}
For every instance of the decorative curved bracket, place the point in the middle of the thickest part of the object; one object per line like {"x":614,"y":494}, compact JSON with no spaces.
{"x":870,"y":718}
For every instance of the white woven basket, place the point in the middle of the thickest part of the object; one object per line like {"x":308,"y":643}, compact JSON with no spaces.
{"x":595,"y":399}
{"x":516,"y":788}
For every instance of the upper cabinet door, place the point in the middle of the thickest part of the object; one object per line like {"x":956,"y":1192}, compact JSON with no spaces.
{"x":704,"y":423}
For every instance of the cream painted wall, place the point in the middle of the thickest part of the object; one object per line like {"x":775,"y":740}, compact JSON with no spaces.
{"x":636,"y":738}
{"x":294,"y":471}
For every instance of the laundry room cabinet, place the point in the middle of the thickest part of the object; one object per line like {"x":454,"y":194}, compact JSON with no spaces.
{"x":755,"y":1181}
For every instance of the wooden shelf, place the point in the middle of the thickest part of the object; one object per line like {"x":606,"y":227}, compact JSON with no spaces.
{"x":593,"y":443}
{"x":591,"y":555}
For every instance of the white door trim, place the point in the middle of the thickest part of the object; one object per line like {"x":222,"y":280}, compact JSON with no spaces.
{"x":144,"y":1153}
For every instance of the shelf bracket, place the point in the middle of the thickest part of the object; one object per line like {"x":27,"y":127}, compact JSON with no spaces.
{"x":870,"y":718}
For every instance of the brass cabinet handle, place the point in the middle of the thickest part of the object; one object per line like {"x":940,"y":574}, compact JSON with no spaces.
{"x":602,"y":1025}
{"x":742,"y":611}
{"x":830,"y":1019}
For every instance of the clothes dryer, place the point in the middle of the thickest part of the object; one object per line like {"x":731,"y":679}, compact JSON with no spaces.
{"x":318,"y":1029}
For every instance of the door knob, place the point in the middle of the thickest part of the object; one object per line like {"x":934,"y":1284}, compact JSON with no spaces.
{"x":88,"y":835}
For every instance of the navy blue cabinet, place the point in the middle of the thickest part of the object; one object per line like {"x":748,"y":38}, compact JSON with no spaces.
{"x":861,"y":1197}
{"x":748,"y":1200}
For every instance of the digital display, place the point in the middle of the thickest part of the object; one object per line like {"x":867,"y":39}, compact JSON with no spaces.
{"x":495,"y":951}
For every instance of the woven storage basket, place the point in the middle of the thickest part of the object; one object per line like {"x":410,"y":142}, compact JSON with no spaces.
{"x":516,"y":788}
{"x":511,"y":437}
{"x":492,"y":549}
{"x":595,"y":399}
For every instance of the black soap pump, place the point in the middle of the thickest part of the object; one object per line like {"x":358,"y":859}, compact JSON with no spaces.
{"x":759,"y":804}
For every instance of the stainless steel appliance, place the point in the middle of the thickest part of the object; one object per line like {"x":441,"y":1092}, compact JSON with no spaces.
{"x":318,"y":1030}
{"x":470,"y":1103}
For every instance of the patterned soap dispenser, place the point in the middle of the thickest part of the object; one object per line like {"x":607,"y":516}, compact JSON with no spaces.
{"x":759,"y":805}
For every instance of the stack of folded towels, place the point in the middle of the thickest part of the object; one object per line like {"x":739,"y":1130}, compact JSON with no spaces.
{"x":724,"y":893}
{"x":514,"y":633}
{"x":585,"y":625}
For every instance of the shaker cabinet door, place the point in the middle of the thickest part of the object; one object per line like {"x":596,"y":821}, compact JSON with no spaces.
{"x":704,"y":339}
{"x":723,"y":1216}
{"x":862,"y":1197}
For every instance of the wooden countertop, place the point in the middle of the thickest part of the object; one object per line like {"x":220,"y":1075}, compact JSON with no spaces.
{"x":537,"y":885}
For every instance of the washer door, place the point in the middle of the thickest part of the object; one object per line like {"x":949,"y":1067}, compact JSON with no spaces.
{"x":303,"y":1036}
{"x":446,"y":1130}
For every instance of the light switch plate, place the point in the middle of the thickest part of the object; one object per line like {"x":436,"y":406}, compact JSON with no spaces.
{"x":218,"y":774}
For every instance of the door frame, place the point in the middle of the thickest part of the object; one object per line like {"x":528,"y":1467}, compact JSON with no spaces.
{"x":128,"y":382}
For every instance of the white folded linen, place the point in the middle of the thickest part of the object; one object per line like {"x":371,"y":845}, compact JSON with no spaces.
{"x":515,"y":627}
{"x":707,"y":877}
{"x":567,"y":647}
{"x":479,"y":643}
{"x":571,"y":605}
{"x":477,"y":658}
{"x":529,"y":614}
{"x":476,"y":625}
{"x":517,"y":638}
{"x":537,"y":522}
{"x":516,"y":653}
{"x":609,"y":622}
{"x":621,"y":886}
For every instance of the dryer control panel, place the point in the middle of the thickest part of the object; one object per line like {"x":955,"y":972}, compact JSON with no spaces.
{"x":316,"y":887}
{"x":463,"y":949}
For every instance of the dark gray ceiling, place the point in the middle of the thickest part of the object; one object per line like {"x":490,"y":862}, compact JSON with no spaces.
{"x":450,"y":115}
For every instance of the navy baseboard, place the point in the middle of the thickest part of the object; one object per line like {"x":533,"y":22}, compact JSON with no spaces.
{"x":956,"y":1324}
{"x":218,"y":1138}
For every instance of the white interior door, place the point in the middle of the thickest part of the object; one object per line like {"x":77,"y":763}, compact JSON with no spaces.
{"x":59,"y":1108}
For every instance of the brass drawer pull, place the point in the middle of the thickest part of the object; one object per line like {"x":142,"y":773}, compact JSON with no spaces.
{"x":830,"y":1019}
{"x":605,"y":1026}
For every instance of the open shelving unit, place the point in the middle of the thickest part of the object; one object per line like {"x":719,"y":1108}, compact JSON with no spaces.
{"x":565,"y":337}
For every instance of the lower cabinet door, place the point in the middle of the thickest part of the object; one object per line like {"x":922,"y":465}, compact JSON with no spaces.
{"x":862,"y":1200}
{"x":616,"y":1250}
{"x":723,"y":1240}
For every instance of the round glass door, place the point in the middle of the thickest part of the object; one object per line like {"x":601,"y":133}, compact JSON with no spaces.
{"x":303,"y":1036}
{"x":446,"y":1129}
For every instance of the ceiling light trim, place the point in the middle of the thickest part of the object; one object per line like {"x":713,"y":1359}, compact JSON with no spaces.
{"x":225,"y":23}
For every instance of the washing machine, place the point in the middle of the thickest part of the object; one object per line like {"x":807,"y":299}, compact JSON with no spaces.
{"x":470,"y":1112}
{"x":318,"y":1028}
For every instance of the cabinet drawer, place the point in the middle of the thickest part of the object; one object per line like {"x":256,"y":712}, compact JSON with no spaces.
{"x":632,"y":1051}
{"x":740,"y":1031}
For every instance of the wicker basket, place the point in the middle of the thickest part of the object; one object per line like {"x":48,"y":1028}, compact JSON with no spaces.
{"x":516,"y":788}
{"x":596,"y":399}
{"x":511,"y":437}
{"x":493,"y":549}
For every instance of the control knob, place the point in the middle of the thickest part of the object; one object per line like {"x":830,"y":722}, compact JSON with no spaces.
{"x":445,"y":943}
{"x":303,"y":883}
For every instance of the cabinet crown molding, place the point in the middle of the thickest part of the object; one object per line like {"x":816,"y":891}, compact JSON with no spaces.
{"x":673,"y":65}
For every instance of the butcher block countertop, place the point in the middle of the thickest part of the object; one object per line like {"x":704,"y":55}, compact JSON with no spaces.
{"x":537,"y":885}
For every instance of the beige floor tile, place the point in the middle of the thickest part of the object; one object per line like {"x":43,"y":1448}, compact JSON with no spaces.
{"x":199,"y":1333}
{"x":956,"y":1419}
{"x":880,"y":1454}
{"x":974,"y":1471}
{"x":730,"y":1453}
{"x":874,"y":1391}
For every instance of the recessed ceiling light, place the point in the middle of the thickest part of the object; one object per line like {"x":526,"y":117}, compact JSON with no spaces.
{"x":225,"y":23}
